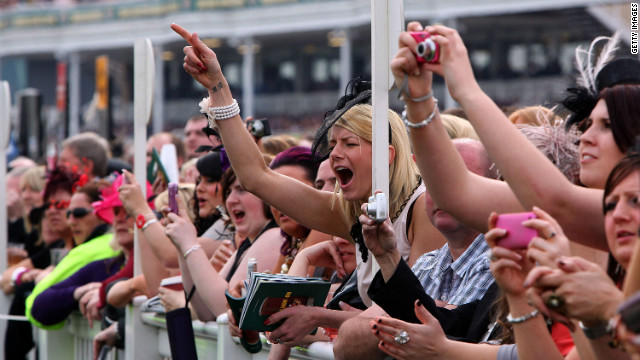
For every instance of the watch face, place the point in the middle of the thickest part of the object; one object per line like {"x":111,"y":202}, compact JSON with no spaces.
{"x":140,"y":220}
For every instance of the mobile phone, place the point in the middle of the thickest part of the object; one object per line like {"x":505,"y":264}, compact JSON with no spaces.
{"x":173,"y":191}
{"x":518,"y":236}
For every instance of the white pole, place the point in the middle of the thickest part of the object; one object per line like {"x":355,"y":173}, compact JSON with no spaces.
{"x":248,"y":61}
{"x":5,"y":121}
{"x":139,"y":340}
{"x":386,"y":24}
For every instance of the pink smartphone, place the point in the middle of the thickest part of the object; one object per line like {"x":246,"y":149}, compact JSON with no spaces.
{"x":518,"y":236}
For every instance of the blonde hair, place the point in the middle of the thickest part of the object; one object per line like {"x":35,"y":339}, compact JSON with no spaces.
{"x":275,"y":144}
{"x":34,"y":178}
{"x":533,"y":115}
{"x":403,"y":172}
{"x":458,"y":127}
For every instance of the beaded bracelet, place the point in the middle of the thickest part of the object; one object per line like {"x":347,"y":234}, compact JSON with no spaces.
{"x":521,"y":319}
{"x":424,"y":122}
{"x":192,"y":249}
{"x":218,"y":113}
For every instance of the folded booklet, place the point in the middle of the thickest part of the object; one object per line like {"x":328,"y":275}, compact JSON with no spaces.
{"x":270,"y":293}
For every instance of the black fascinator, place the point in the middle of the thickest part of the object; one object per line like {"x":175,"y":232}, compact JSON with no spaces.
{"x":597,"y":73}
{"x":358,"y":91}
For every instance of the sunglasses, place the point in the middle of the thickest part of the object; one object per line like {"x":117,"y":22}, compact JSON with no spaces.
{"x":78,"y":212}
{"x":118,"y":210}
{"x":61,"y":204}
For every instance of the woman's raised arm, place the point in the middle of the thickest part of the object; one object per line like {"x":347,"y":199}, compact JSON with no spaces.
{"x":529,"y":174}
{"x":309,"y":207}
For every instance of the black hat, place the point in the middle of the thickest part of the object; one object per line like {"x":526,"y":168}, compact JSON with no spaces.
{"x":620,"y":71}
{"x":360,"y":94}
{"x":210,"y":165}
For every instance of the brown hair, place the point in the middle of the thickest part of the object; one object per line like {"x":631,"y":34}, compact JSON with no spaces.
{"x":229,"y":177}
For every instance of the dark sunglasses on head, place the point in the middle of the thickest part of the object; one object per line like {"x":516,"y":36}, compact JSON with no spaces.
{"x":78,"y":212}
{"x":62,"y":204}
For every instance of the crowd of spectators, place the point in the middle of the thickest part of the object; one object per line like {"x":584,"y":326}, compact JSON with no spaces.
{"x":453,"y":282}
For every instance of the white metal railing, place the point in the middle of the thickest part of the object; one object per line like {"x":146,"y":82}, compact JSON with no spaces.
{"x":75,"y":341}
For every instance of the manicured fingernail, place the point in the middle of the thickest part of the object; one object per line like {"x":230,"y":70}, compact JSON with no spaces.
{"x":377,"y":332}
{"x":380,"y":321}
{"x":267,"y":322}
{"x":374,"y":326}
{"x":381,"y":343}
{"x":419,"y":303}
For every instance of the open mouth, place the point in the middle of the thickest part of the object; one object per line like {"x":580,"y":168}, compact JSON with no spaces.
{"x":238,"y":215}
{"x":344,"y":175}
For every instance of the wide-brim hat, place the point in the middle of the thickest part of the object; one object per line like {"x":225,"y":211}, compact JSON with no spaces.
{"x":111,"y":199}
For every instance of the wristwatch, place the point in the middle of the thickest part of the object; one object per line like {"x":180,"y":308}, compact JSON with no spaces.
{"x":595,"y":332}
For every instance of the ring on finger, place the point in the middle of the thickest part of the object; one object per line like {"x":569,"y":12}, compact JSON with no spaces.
{"x":551,"y":235}
{"x":555,"y":302}
{"x":402,"y":337}
{"x":279,"y":341}
{"x":490,"y":256}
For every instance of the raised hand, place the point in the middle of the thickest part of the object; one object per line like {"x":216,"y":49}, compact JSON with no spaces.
{"x":180,"y":229}
{"x":199,"y":60}
{"x":551,"y":243}
{"x":509,"y":267}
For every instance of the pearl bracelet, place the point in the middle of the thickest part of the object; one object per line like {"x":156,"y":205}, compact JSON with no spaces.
{"x":218,"y":113}
{"x":521,"y":319}
{"x":424,"y":122}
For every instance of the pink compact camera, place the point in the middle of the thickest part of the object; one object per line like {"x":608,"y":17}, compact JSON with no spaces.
{"x":518,"y":236}
{"x":427,"y":50}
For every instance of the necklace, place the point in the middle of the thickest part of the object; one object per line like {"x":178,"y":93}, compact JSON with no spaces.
{"x":407,"y":199}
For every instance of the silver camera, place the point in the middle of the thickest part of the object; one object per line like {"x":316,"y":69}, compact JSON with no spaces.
{"x":377,"y":207}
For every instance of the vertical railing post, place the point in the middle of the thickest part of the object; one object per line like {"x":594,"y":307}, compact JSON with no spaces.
{"x":139,"y":340}
{"x":386,"y":24}
{"x":5,"y":121}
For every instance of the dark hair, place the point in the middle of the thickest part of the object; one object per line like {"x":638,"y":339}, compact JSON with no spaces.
{"x":624,"y":111}
{"x":59,"y":179}
{"x":92,"y":190}
{"x":625,"y":167}
{"x":297,"y":156}
{"x":229,"y":177}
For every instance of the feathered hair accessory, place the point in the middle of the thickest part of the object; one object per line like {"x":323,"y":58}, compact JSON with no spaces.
{"x":596,"y":73}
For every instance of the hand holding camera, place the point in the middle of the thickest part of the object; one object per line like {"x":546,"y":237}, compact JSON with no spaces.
{"x":377,"y":207}
{"x":427,"y":50}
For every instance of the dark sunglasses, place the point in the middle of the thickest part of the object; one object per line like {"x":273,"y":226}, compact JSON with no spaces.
{"x":78,"y":212}
{"x":62,"y":204}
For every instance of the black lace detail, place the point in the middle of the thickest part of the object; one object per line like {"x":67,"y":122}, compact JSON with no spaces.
{"x":356,"y":234}
{"x":406,"y":201}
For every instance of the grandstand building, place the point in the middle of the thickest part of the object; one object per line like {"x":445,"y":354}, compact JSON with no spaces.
{"x":285,"y":59}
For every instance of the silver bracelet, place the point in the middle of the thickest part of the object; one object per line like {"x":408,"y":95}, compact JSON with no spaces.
{"x":404,"y":91}
{"x":424,"y":122}
{"x":192,"y":249}
{"x":146,"y":224}
{"x":521,"y":319}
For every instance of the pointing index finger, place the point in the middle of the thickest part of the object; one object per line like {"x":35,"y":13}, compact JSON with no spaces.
{"x":186,"y":35}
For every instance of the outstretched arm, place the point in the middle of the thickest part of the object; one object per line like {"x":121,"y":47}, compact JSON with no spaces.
{"x":530,"y":175}
{"x":446,"y":177}
{"x":288,"y":195}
